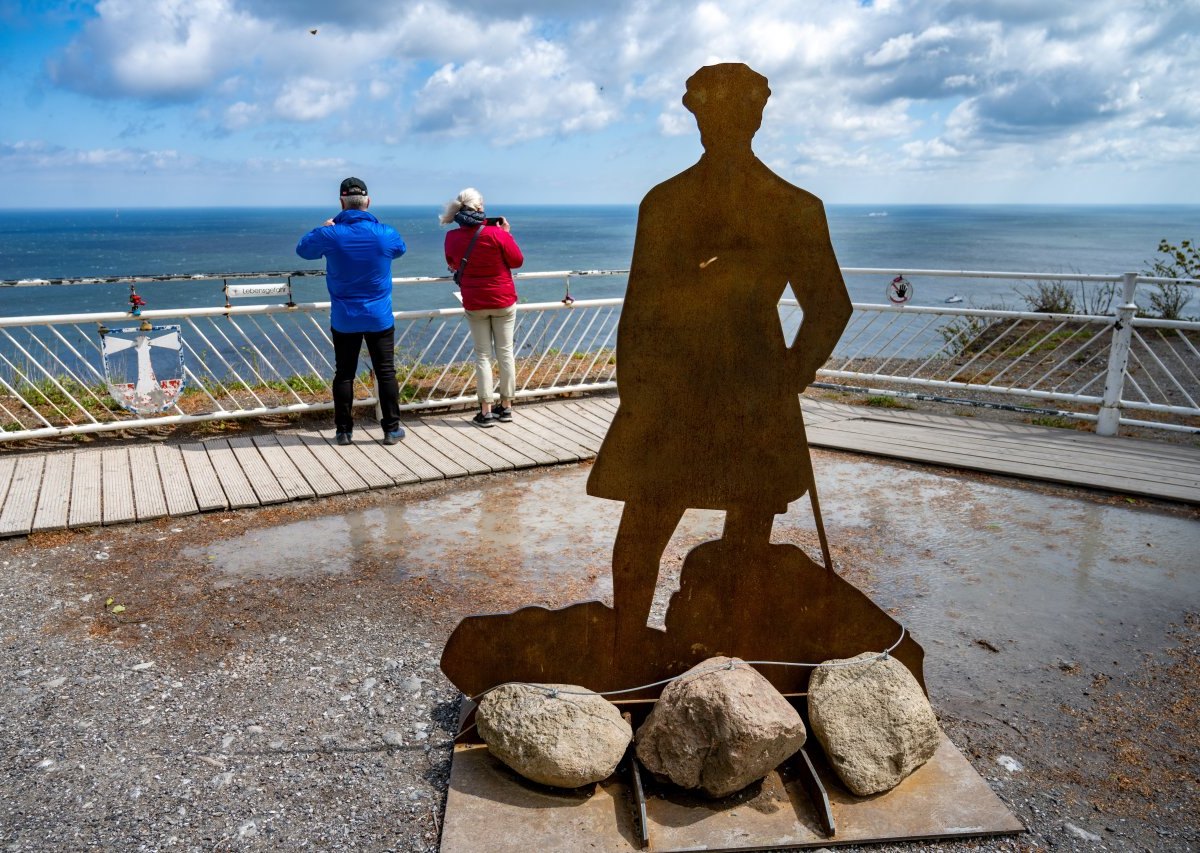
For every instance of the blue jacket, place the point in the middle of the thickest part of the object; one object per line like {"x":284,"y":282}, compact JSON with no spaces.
{"x":358,"y":251}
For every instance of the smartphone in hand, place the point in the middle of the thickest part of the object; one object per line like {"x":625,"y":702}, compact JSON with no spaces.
{"x":493,"y":220}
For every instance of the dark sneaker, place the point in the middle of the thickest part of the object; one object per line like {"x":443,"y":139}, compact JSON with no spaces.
{"x":394,"y":436}
{"x":503,"y":414}
{"x":343,"y":438}
{"x":484,"y":419}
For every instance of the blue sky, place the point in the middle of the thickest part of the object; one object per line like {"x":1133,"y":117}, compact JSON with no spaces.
{"x":125,"y":103}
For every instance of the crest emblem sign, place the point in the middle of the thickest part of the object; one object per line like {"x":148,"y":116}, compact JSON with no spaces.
{"x":143,"y":366}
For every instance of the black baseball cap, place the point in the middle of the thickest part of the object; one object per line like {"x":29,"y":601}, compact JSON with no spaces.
{"x":354,"y":186}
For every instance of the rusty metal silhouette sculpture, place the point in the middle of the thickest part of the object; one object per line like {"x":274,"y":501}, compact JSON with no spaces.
{"x":709,"y":418}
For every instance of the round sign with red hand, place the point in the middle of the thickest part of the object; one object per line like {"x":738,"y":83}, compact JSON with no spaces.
{"x":899,"y":291}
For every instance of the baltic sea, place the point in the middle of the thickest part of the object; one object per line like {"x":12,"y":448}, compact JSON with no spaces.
{"x":49,"y":244}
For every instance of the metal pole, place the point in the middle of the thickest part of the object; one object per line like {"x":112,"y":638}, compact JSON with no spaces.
{"x":1109,"y":415}
{"x":816,"y":508}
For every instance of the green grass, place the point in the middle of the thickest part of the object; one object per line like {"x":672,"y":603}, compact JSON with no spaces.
{"x":1056,"y":421}
{"x":303,"y":383}
{"x":882,"y":401}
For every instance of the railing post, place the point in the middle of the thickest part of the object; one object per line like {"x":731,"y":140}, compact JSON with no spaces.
{"x":1118,"y":359}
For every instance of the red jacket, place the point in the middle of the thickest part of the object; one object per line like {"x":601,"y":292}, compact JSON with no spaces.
{"x":488,"y":281}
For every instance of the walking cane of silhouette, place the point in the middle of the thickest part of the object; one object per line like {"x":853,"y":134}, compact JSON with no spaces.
{"x":816,"y":508}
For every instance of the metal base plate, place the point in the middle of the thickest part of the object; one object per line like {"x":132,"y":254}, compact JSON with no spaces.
{"x":488,"y":807}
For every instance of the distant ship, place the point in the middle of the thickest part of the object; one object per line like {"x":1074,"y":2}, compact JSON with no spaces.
{"x":954,"y":298}
{"x":878,"y":213}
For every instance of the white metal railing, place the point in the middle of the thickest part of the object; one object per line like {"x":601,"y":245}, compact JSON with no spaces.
{"x":256,"y":360}
{"x":1108,"y":362}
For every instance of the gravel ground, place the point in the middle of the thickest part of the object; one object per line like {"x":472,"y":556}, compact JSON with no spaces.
{"x":269,"y":715}
{"x":153,"y":703}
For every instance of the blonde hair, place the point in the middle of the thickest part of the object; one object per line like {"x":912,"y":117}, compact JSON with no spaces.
{"x":470,"y":198}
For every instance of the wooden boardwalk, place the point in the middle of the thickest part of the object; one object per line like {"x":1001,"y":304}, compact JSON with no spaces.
{"x":83,"y":488}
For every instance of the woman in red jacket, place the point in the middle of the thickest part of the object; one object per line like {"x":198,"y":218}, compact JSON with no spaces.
{"x":488,"y":295}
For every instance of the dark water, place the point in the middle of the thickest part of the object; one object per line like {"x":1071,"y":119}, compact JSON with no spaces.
{"x":76,"y":243}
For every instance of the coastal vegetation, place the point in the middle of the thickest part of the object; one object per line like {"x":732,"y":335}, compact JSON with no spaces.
{"x":1178,"y":261}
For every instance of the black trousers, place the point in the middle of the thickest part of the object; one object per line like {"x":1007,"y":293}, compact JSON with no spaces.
{"x":381,"y":346}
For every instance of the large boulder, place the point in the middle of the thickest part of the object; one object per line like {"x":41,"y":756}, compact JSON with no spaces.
{"x":555,"y":734}
{"x":873,"y":721}
{"x":717,"y":729}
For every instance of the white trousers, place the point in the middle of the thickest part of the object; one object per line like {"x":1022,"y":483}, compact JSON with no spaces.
{"x":492,"y":328}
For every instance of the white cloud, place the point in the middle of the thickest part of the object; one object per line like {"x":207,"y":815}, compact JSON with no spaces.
{"x":893,"y":50}
{"x":38,"y":155}
{"x":155,"y":49}
{"x":855,"y":86}
{"x":241,"y":115}
{"x":311,"y":99}
{"x":926,"y":150}
{"x":532,"y":93}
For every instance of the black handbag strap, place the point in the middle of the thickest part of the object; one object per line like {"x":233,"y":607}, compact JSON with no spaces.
{"x":462,"y":265}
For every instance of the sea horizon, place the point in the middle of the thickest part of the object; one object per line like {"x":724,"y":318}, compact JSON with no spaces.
{"x":586,"y":204}
{"x":110,"y":242}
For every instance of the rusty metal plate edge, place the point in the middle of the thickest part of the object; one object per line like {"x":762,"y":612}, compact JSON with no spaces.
{"x":489,"y":808}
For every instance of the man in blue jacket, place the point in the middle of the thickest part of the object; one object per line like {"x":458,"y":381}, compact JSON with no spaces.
{"x":358,"y":251}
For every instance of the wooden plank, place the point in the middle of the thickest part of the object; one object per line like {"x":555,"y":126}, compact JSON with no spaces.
{"x":589,"y":417}
{"x":818,"y":412}
{"x":116,"y":486}
{"x":276,"y":457}
{"x":1020,"y":436}
{"x":488,"y":440}
{"x":85,"y":490}
{"x":259,"y":474}
{"x":466,"y":445}
{"x":532,"y":429}
{"x":469,"y":462}
{"x":234,"y":482}
{"x":148,"y":498}
{"x":16,"y":519}
{"x":448,"y":466}
{"x":560,"y":423}
{"x":946,"y":456}
{"x":582,"y":421}
{"x":391,"y":459}
{"x":1031,"y":449}
{"x":7,"y":466}
{"x":362,"y":463}
{"x":332,"y":461}
{"x":310,"y":468}
{"x":609,"y":403}
{"x":404,"y":455}
{"x":1034,"y":439}
{"x":177,"y":486}
{"x":1030,"y":438}
{"x":54,"y":499}
{"x":522,"y":441}
{"x":206,"y":485}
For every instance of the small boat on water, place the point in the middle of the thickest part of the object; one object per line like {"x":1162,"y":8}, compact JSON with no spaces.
{"x":953,"y":299}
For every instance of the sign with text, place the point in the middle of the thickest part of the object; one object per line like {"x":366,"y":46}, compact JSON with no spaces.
{"x":271,"y":288}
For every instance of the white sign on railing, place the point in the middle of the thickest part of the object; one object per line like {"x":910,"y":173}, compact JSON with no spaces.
{"x":260,"y":290}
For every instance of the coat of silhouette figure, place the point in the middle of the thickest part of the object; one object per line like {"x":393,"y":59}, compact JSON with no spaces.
{"x":709,"y":413}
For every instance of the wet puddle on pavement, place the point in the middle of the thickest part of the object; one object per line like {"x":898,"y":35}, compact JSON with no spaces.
{"x":532,"y":529}
{"x":1042,"y":575}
